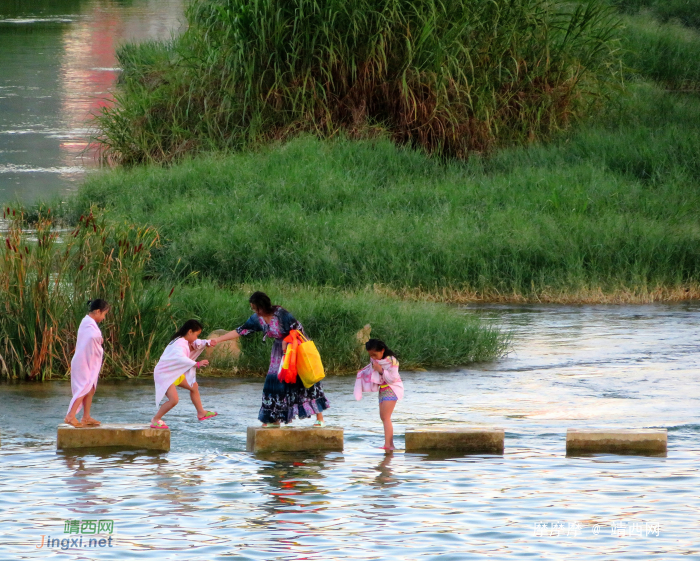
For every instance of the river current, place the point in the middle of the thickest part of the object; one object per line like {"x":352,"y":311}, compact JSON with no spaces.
{"x":589,"y":366}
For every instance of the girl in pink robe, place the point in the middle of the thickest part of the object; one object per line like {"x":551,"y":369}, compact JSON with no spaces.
{"x":177,"y":367}
{"x":86,"y":364}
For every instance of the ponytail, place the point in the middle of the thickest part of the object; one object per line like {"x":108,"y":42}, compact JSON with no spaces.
{"x":189,"y":325}
{"x":378,"y":345}
{"x":98,"y":304}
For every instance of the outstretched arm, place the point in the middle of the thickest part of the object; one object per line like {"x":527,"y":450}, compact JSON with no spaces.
{"x":251,"y":325}
{"x":226,"y":337}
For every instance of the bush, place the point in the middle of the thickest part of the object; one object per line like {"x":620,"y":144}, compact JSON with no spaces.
{"x":449,"y":77}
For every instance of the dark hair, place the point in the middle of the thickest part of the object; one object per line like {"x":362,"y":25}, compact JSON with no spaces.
{"x":97,"y":304}
{"x":262,"y":302}
{"x":378,"y":345}
{"x":190,"y":325}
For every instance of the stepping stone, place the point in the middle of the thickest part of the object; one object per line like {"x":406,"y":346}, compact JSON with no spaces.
{"x":459,"y":439}
{"x":294,"y":439}
{"x":125,"y":437}
{"x":616,"y":441}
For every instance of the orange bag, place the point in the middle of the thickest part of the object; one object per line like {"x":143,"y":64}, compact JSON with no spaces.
{"x":288,"y":372}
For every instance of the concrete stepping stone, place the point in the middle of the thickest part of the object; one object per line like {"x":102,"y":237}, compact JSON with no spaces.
{"x":294,"y":439}
{"x":616,"y":441}
{"x":473,"y":440}
{"x":113,"y":435}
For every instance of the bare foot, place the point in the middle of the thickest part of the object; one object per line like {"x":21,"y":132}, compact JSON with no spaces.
{"x":391,"y":447}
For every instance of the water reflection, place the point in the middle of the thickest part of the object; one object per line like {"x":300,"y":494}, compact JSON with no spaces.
{"x":83,"y":481}
{"x":58,"y":61}
{"x":385,"y":475}
{"x":291,"y":483}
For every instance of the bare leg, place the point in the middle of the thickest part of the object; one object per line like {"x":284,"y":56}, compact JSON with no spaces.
{"x":319,"y":417}
{"x":74,"y":409}
{"x":87,"y":403}
{"x":386,"y":408}
{"x":173,"y":398}
{"x":197,"y":400}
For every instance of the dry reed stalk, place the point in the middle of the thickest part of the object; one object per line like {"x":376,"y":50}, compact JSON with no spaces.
{"x":595,"y":295}
{"x":48,"y":275}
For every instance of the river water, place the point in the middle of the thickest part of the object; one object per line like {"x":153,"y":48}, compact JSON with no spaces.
{"x":57,"y":65}
{"x":590,"y":366}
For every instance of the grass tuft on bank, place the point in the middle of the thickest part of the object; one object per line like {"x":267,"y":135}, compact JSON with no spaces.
{"x":450,"y":78}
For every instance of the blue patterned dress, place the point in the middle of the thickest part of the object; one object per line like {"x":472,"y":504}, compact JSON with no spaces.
{"x":283,"y":402}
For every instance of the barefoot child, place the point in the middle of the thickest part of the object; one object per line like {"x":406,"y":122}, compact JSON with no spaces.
{"x":177,"y":367}
{"x":86,"y":364}
{"x":384,"y":378}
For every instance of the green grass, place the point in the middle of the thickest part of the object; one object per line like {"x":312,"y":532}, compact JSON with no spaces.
{"x":46,"y":284}
{"x":450,"y":77}
{"x":613,"y":206}
{"x":665,"y":52}
{"x":684,"y":11}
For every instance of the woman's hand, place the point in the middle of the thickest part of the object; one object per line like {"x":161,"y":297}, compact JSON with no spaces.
{"x":377,"y":367}
{"x":228,"y":336}
{"x":212,"y":343}
{"x":202,"y":363}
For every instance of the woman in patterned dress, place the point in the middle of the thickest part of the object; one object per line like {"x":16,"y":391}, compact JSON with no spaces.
{"x":281,"y":402}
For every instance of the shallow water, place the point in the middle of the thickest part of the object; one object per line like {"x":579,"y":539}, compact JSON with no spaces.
{"x":57,"y":65}
{"x":208,"y":499}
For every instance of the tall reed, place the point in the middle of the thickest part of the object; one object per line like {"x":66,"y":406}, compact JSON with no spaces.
{"x":450,"y":77}
{"x":47,"y":276}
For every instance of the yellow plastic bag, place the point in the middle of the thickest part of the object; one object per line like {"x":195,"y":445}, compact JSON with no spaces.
{"x":309,"y":366}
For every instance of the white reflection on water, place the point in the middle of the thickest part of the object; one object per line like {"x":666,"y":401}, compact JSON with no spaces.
{"x":207,"y":499}
{"x":57,"y":70}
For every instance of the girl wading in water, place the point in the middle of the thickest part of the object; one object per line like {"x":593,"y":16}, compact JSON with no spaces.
{"x":86,"y":364}
{"x":383,"y":371}
{"x":281,"y":402}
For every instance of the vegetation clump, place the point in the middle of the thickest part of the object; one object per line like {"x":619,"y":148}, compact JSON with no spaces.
{"x":450,"y":77}
{"x":47,"y":275}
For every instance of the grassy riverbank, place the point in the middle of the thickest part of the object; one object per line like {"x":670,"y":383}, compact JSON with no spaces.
{"x":608,"y":212}
{"x":603,"y":213}
{"x":347,"y":232}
